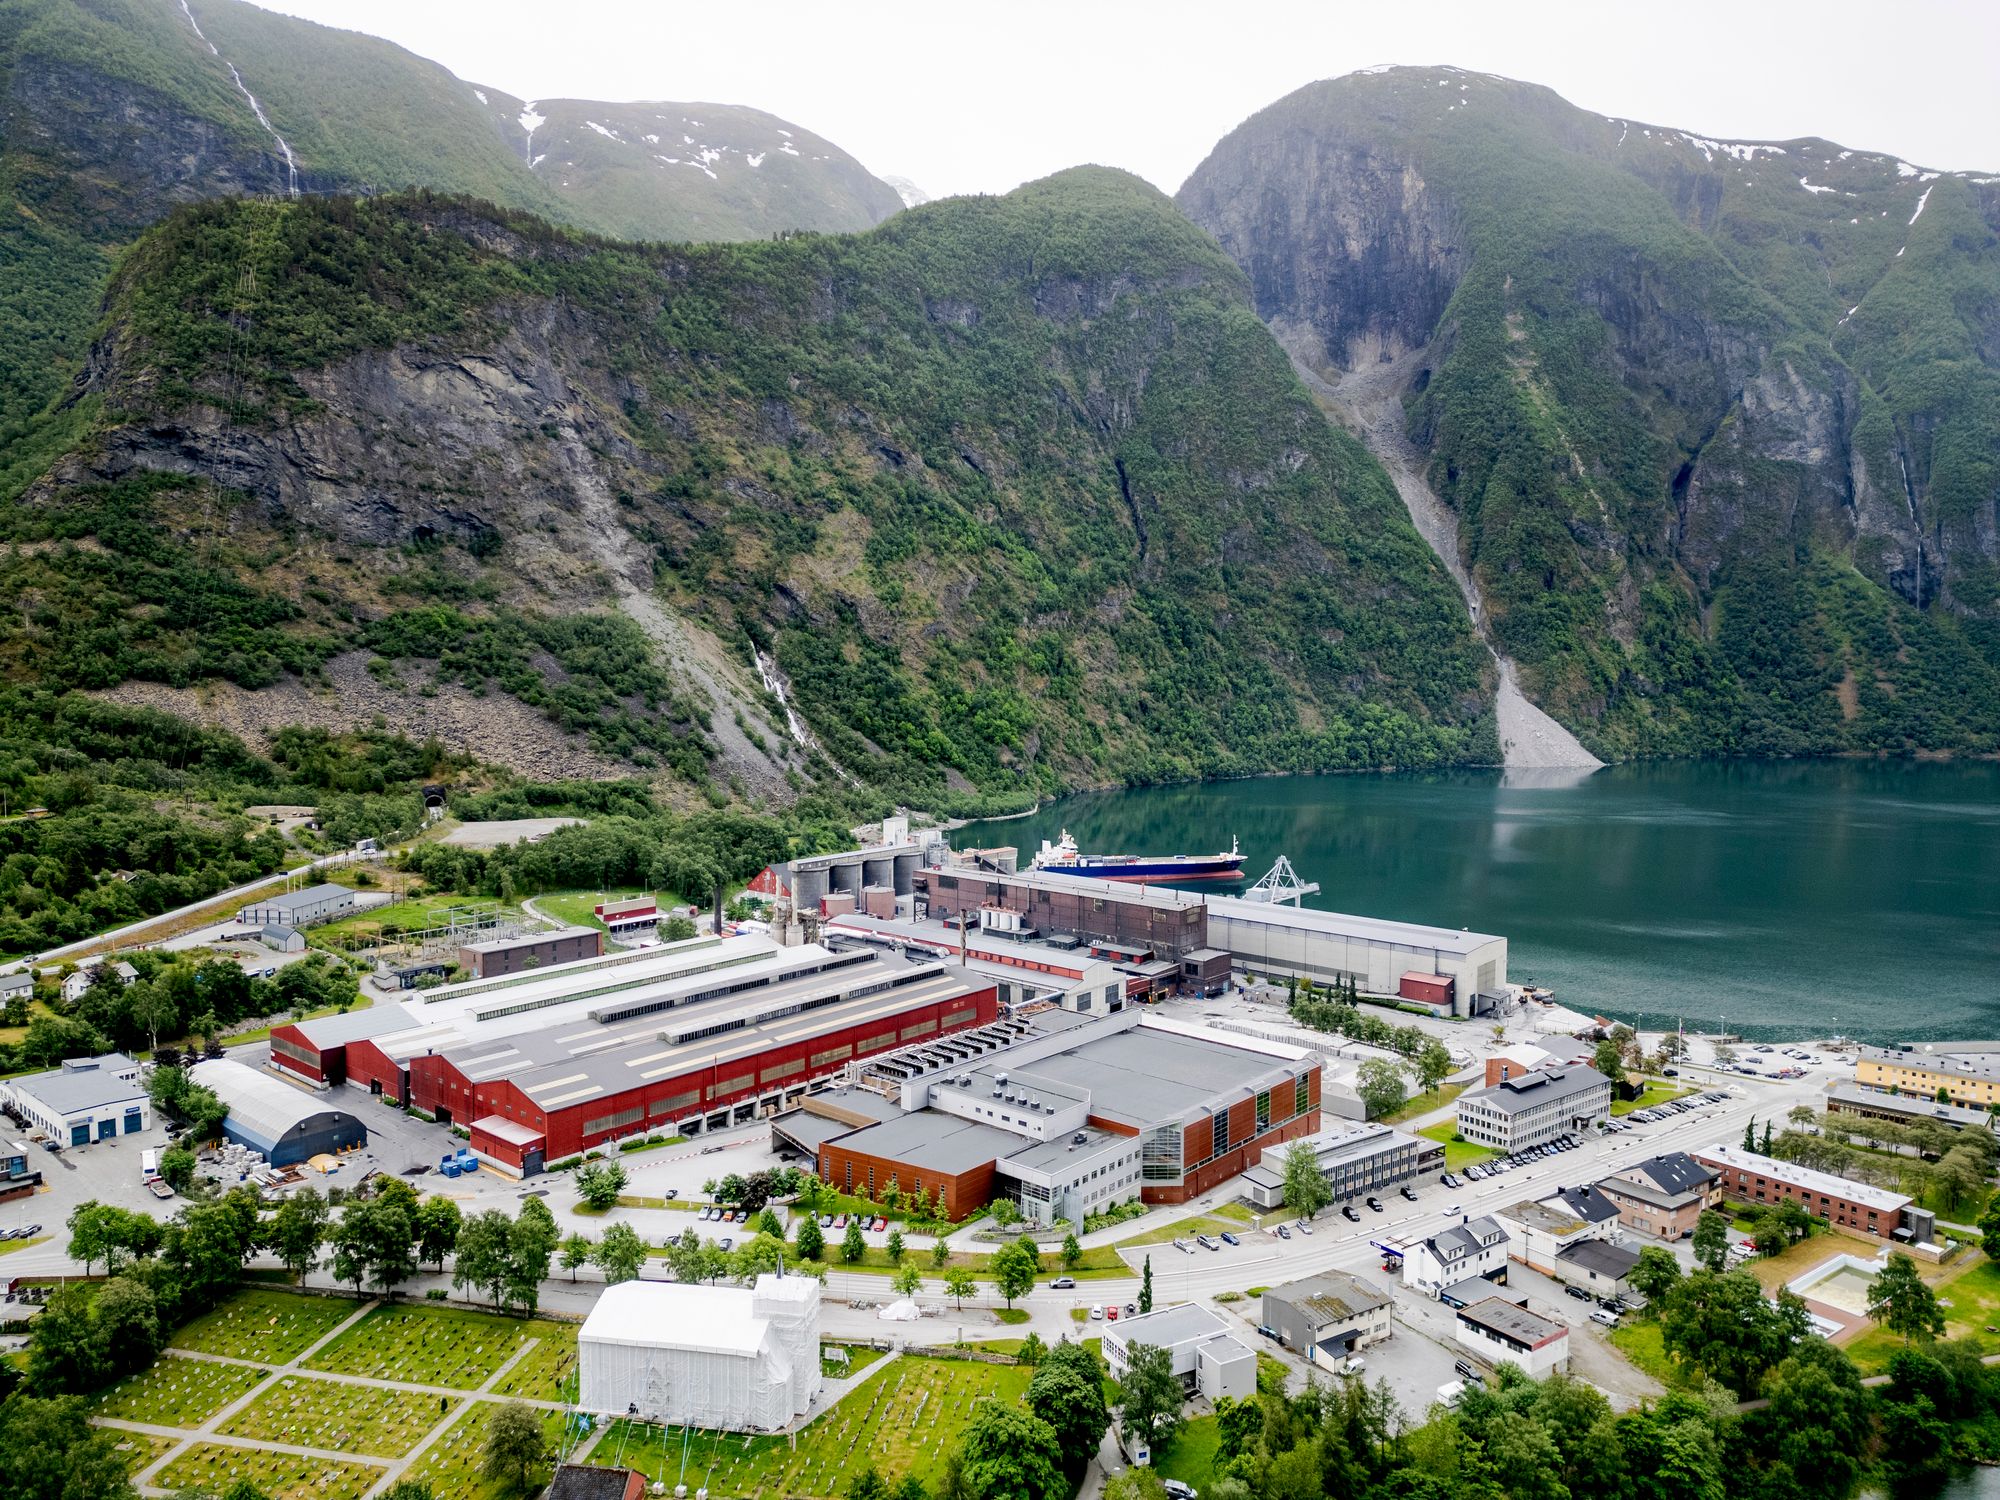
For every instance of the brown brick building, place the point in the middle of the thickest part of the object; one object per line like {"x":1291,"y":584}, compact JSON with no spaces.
{"x":1664,"y":1196}
{"x":538,"y":950}
{"x":1855,"y":1207}
{"x":1167,"y":923}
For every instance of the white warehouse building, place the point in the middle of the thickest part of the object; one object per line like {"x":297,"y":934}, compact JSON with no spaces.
{"x":703,"y":1356}
{"x":1330,"y":947}
{"x":86,"y":1099}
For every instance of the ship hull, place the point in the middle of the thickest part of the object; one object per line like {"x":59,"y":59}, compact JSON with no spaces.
{"x":1154,"y":871}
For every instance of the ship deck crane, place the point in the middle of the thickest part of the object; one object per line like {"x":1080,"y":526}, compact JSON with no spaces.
{"x":1281,"y":883}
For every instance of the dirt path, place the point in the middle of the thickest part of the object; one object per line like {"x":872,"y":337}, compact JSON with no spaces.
{"x":1370,"y":400}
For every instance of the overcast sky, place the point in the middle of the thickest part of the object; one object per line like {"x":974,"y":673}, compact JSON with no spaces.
{"x":965,"y":97}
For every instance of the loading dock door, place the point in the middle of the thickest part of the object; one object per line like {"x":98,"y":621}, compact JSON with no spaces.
{"x":79,"y":1134}
{"x":131,"y":1122}
{"x":106,"y":1129}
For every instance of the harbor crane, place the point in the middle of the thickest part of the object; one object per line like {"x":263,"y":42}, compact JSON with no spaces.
{"x":1281,"y":883}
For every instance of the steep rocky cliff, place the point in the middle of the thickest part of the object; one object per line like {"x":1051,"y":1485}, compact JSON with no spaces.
{"x":1718,"y":420}
{"x":1007,"y":495}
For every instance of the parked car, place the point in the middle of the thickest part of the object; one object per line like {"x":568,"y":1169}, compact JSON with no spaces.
{"x":1453,"y":1208}
{"x":1604,"y":1317}
{"x":1206,"y":1243}
{"x":1409,"y":1192}
{"x":726,"y":1243}
{"x":1374,"y":1203}
{"x":840,"y":1221}
{"x":1230,"y":1239}
{"x":705,"y":1214}
{"x":1466,"y":1372}
{"x":1354,"y":1364}
{"x":1347,"y":1212}
{"x":1131,"y":1309}
{"x":826,"y":1221}
{"x":1111,"y":1313}
{"x":1268,"y":1331}
{"x":1097,"y":1313}
{"x":1577,"y":1292}
{"x":673,"y":1193}
{"x":1184,"y":1247}
{"x":1063,"y":1284}
{"x":881,"y":1223}
{"x":1305,"y":1228}
{"x":1180,"y":1489}
{"x":1284,"y":1232}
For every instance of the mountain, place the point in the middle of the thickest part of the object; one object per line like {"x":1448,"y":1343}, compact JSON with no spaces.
{"x":113,"y":111}
{"x":666,"y":171}
{"x":1006,"y":495}
{"x":1712,"y":428}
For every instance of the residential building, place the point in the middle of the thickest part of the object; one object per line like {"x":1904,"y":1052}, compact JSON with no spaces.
{"x":1356,"y":1158}
{"x":1474,"y":1248}
{"x":1539,"y":1231}
{"x":307,"y":908}
{"x":1208,"y":1358}
{"x":17,"y":986}
{"x":1502,"y":1332}
{"x":1663,"y":1197}
{"x":1856,"y":1207}
{"x":76,"y":984}
{"x":1330,"y":1316}
{"x":1529,"y":1109}
{"x":86,"y":1099}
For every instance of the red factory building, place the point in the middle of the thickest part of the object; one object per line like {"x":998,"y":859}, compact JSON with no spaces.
{"x":695,"y":1037}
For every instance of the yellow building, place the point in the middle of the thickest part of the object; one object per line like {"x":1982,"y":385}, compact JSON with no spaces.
{"x":1968,"y":1071}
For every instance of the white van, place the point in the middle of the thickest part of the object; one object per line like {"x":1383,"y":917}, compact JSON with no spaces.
{"x":1604,"y":1317}
{"x":149,"y":1166}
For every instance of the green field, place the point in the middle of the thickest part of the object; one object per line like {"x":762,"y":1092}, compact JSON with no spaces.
{"x":336,"y":1414}
{"x":1638,"y":1339}
{"x":425,"y":1346}
{"x":1420,"y":1105}
{"x":414,"y":914}
{"x":1457,"y":1154}
{"x":902,"y":1420}
{"x":1657,"y":1091}
{"x":274,"y":1327}
{"x":175,"y":1392}
{"x":859,"y":1358}
{"x":214,"y":1467}
{"x":574,"y":908}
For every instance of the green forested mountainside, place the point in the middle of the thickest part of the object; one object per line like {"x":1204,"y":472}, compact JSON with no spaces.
{"x":113,"y":111}
{"x":1720,"y":421}
{"x":1017,"y":492}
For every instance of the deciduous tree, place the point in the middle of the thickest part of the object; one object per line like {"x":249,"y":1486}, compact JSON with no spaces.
{"x":1306,"y":1187}
{"x":1149,"y":1394}
{"x":1900,"y":1301}
{"x":515,"y":1447}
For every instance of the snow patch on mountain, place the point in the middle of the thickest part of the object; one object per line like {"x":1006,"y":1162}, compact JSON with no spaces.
{"x":908,"y":191}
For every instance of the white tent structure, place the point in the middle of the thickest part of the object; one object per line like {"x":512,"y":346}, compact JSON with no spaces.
{"x":703,"y":1356}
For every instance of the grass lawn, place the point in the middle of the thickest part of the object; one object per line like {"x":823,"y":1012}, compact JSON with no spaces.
{"x":576,"y":907}
{"x":903,"y":1419}
{"x":8,"y":1247}
{"x":174,"y":1392}
{"x":213,"y":1468}
{"x":1973,"y":1297}
{"x":1658,"y":1091}
{"x":859,"y":1358}
{"x":1795,"y":1260}
{"x":276,"y":1327}
{"x":310,"y":1413}
{"x":451,"y":1465}
{"x":420,"y":1345}
{"x":1182,"y":1229}
{"x":1458,"y":1154}
{"x":410,"y":915}
{"x":1423,"y":1104}
{"x":1190,"y":1458}
{"x":1638,"y":1339}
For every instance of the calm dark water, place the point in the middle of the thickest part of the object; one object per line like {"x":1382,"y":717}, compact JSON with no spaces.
{"x":1794,"y":899}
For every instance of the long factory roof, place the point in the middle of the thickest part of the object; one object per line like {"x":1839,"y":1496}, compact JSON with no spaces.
{"x":1345,"y":925}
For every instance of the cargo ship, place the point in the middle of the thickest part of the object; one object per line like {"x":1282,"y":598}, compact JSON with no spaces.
{"x":1062,"y":858}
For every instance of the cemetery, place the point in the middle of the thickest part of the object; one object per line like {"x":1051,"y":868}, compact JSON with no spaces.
{"x":269,"y":1327}
{"x":421,"y":1345}
{"x":215,"y":1467}
{"x":337,"y":1414}
{"x":902,"y":1420}
{"x":177,"y":1392}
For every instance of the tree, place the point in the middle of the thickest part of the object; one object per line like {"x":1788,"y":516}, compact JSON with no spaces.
{"x":1900,"y":1301}
{"x":576,"y":1253}
{"x":1381,"y":1087}
{"x":1961,"y":1172}
{"x":1011,"y":1454}
{"x":1817,"y":1424}
{"x":1072,"y":1251}
{"x":531,"y":1244}
{"x":374,"y":1241}
{"x":1306,"y":1187}
{"x":1149,"y":1394}
{"x":852,"y":1245}
{"x":297,"y":1230}
{"x":1146,"y":1287}
{"x":51,"y":1452}
{"x":1067,"y":1392}
{"x":810,"y":1242}
{"x":1433,"y":1063}
{"x":1711,"y":1240}
{"x":1609,"y":1059}
{"x":676,"y":930}
{"x":1032,"y":1350}
{"x":514,"y":1445}
{"x":1656,"y":1272}
{"x":599,"y":1183}
{"x":868,"y":1485}
{"x":1724,"y":1325}
{"x":65,"y":1356}
{"x":1013,"y":1271}
{"x":907,"y":1281}
{"x":1989,"y":1229}
{"x":1801,"y":1115}
{"x":1750,"y":1134}
{"x":768,"y":1223}
{"x":959,"y":1284}
{"x":437,"y":1220}
{"x":940,"y":1253}
{"x":177,"y":1165}
{"x":621,"y":1253}
{"x":482,"y":1255}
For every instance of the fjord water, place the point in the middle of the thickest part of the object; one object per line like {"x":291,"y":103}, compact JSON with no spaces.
{"x":1789,"y":898}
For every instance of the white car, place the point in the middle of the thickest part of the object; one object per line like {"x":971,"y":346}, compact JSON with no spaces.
{"x":1453,"y":1208}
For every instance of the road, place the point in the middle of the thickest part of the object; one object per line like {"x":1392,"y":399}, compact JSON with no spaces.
{"x":122,"y":937}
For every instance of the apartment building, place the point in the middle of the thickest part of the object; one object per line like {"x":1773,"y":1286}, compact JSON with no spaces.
{"x":1855,"y":1207}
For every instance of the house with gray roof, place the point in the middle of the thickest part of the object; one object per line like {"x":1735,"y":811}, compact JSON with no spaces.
{"x":1329,"y":1316}
{"x":1472,"y":1248}
{"x":1663,"y":1196}
{"x":86,"y":1099}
